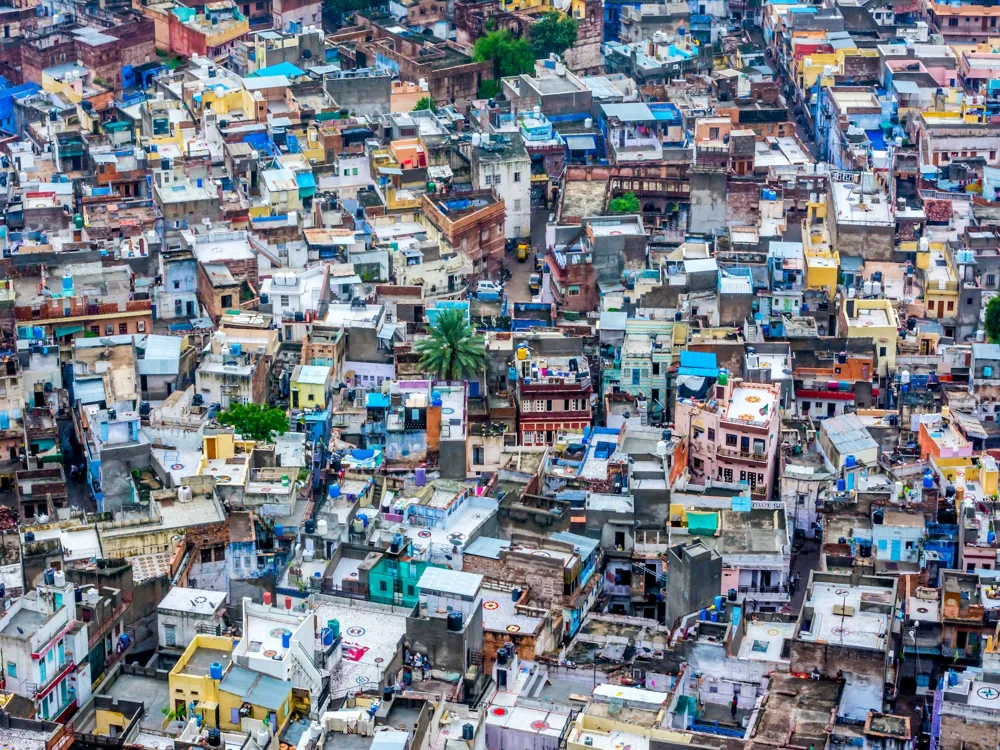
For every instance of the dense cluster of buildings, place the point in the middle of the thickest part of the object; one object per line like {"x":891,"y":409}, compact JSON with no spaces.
{"x":725,"y":476}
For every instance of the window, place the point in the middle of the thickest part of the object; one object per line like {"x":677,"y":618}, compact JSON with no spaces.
{"x":991,"y":279}
{"x":42,"y":672}
{"x":565,"y":404}
{"x":11,"y":669}
{"x":574,"y":291}
{"x":636,"y":375}
{"x":619,"y":540}
{"x":529,"y":437}
{"x":409,"y":590}
{"x":354,"y":172}
{"x":656,"y":368}
{"x":109,"y":329}
{"x":548,"y":405}
{"x":227,"y":300}
{"x":727,"y":475}
{"x":881,"y":351}
{"x":489,"y":180}
{"x":177,"y":285}
{"x":123,"y":328}
{"x":170,"y":638}
{"x":731,"y":440}
{"x":381,"y":586}
{"x":711,"y":434}
{"x":284,"y":300}
{"x":517,"y":176}
{"x":517,"y":204}
{"x":141,"y":326}
{"x":478,"y":456}
{"x":968,"y":300}
{"x":496,"y":179}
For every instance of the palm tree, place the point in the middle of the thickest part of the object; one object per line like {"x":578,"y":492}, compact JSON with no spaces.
{"x":453,"y":349}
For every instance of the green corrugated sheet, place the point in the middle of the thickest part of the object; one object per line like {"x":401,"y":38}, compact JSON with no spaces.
{"x":702,"y":522}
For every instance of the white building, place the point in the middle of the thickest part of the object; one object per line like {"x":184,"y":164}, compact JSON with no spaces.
{"x":502,"y":163}
{"x":41,"y":642}
{"x":183,"y":610}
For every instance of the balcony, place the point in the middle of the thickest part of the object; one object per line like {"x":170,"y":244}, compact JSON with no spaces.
{"x":115,"y":616}
{"x":766,"y":593}
{"x":757,"y":458}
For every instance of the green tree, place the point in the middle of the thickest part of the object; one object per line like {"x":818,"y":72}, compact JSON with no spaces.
{"x":425,"y":102}
{"x":624,"y":204}
{"x":554,"y":32}
{"x":993,"y":320}
{"x":453,"y":349}
{"x":255,"y":422}
{"x":510,"y":56}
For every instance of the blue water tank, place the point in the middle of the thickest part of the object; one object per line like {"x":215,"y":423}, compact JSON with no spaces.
{"x":286,"y":639}
{"x":327,"y":637}
{"x":512,"y":373}
{"x":50,"y":576}
{"x":703,"y":614}
{"x":718,"y":602}
{"x":952,"y":678}
{"x":455,"y":622}
{"x":279,"y":530}
{"x":928,"y":481}
{"x":436,"y":398}
{"x":236,"y":349}
{"x":515,"y":594}
{"x":334,"y":491}
{"x":841,"y":485}
{"x":215,"y":670}
{"x":851,"y":462}
{"x":334,"y":626}
{"x":714,"y":615}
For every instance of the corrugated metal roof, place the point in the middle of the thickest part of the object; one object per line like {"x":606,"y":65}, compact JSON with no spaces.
{"x":848,"y":434}
{"x":613,"y":321}
{"x":450,"y":582}
{"x":581,"y":143}
{"x":585,"y":543}
{"x":162,"y":356}
{"x":486,"y":546}
{"x":735,"y":284}
{"x":89,"y":391}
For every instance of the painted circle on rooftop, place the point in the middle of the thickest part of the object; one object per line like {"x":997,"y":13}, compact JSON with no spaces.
{"x":513,"y":628}
{"x":539,"y":726}
{"x":753,"y":399}
{"x":623,"y":746}
{"x":424,"y":534}
{"x":745,"y":417}
{"x":499,"y":711}
{"x":841,"y":592}
{"x":543,"y":553}
{"x":841,"y":630}
{"x":361,"y":679}
{"x":457,"y":535}
{"x":447,"y":410}
{"x":988,"y":693}
{"x":278,"y":632}
{"x":176,"y":467}
{"x":356,"y":631}
{"x":491,"y":605}
{"x":379,"y":660}
{"x":923,"y":610}
{"x":774,"y":631}
{"x":224,"y":478}
{"x":270,"y":653}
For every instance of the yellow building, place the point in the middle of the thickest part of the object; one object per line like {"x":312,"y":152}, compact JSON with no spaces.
{"x":279,"y":194}
{"x":940,"y":280}
{"x":822,"y":262}
{"x":244,"y":693}
{"x":875,"y":319}
{"x":194,"y":680}
{"x":309,"y":385}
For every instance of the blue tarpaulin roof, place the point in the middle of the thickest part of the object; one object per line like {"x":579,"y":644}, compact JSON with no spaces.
{"x":305,"y":180}
{"x":281,"y":69}
{"x":699,"y":363}
{"x":377,"y":401}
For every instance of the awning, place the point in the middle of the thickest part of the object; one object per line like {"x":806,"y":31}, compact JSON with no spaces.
{"x":387,"y":331}
{"x":581,"y":143}
{"x":390,"y":170}
{"x":67,"y":330}
{"x":207,"y":705}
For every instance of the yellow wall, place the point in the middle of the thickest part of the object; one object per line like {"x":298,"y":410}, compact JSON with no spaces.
{"x":197,"y":687}
{"x":229,"y":701}
{"x":317,"y":391}
{"x":882,"y":336}
{"x":104,"y":720}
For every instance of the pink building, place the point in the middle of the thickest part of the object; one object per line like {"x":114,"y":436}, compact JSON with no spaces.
{"x":733,"y":434}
